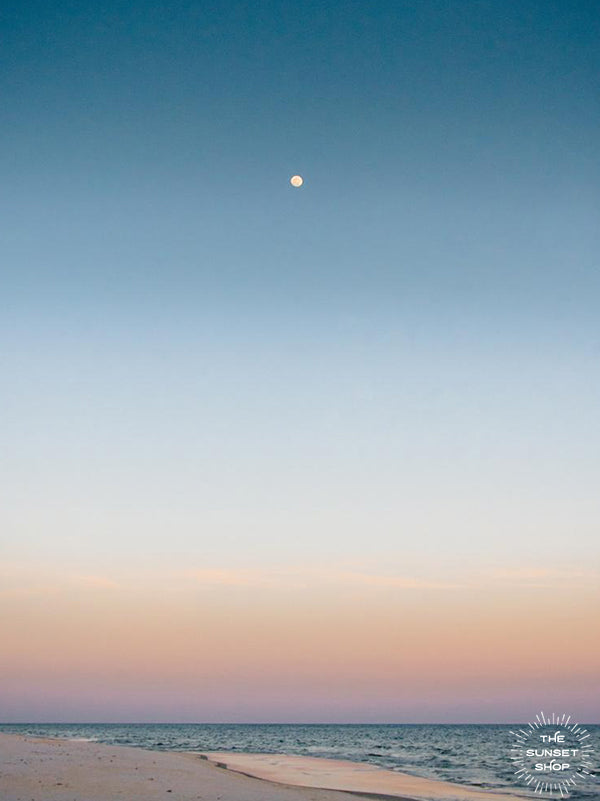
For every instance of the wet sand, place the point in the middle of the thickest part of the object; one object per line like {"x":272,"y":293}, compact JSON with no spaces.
{"x":354,"y":777}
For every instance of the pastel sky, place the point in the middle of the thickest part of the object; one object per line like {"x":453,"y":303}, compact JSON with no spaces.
{"x":317,"y":454}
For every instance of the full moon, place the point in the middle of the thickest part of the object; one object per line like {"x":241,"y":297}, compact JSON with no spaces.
{"x":296,"y":180}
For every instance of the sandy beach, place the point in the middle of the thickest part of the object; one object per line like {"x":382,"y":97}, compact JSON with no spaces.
{"x":37,"y":769}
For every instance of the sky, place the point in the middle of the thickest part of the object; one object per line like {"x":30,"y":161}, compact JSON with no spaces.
{"x":324,"y":454}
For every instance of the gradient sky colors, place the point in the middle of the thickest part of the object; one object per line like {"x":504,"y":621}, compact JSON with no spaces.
{"x":317,"y":454}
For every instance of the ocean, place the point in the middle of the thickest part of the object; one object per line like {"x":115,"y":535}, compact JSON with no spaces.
{"x":477,"y":755}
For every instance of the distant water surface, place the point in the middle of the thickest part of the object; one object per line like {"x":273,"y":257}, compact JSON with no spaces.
{"x":468,"y":754}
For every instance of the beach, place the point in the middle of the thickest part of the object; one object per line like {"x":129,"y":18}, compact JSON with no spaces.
{"x":40,"y":769}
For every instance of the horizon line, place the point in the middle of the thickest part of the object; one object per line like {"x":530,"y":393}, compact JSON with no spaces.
{"x":268,"y":723}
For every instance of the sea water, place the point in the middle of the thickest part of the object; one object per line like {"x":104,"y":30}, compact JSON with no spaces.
{"x":478,"y":755}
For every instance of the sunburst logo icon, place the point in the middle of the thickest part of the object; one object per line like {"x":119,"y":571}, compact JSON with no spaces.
{"x":552,"y":754}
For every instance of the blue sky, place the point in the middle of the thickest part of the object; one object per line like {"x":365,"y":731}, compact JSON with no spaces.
{"x":396,"y":364}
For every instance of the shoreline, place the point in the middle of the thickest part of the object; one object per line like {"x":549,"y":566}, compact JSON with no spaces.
{"x":58,"y":769}
{"x":359,"y":778}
